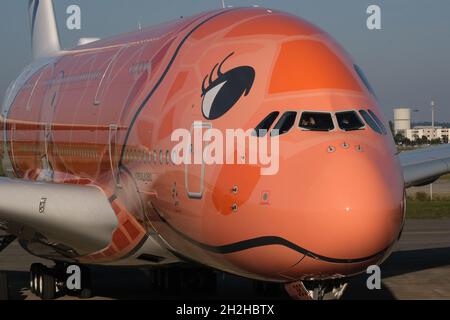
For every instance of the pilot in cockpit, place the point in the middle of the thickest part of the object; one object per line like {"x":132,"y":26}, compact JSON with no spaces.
{"x":309,"y":122}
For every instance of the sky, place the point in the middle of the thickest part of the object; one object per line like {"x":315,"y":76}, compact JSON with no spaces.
{"x":407,"y":61}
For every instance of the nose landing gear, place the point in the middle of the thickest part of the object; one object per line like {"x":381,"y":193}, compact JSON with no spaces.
{"x":316,"y":290}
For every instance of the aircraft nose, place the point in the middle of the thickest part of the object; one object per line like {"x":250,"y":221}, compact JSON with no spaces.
{"x":349,"y":203}
{"x":332,"y":213}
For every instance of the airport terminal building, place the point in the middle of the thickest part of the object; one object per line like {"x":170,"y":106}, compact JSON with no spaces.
{"x":429,"y":132}
{"x":402,"y":125}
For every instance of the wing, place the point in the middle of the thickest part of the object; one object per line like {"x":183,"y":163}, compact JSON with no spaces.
{"x":76,"y":217}
{"x":424,"y":166}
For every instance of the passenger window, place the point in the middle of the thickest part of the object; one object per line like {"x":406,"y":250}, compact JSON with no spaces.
{"x":262,"y":128}
{"x":379,"y":122}
{"x":370,"y":121}
{"x":286,"y":122}
{"x":349,"y":121}
{"x":316,"y":121}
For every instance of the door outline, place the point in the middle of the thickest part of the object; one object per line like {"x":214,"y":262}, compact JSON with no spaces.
{"x":113,"y":154}
{"x":28,"y":105}
{"x":106,"y":76}
{"x":11,"y":143}
{"x":192,"y":194}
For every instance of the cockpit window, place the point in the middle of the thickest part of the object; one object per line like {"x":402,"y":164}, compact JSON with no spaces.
{"x":349,"y":121}
{"x":370,"y":121}
{"x":364,"y":79}
{"x":378,"y":121}
{"x":316,"y":121}
{"x":286,"y":122}
{"x":262,"y":128}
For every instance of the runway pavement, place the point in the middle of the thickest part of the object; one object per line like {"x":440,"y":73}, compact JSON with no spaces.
{"x":419,"y":268}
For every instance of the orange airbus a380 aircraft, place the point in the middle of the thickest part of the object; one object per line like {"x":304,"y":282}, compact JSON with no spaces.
{"x":87,"y":153}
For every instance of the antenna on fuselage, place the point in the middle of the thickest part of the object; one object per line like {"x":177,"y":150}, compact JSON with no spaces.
{"x":223,"y":4}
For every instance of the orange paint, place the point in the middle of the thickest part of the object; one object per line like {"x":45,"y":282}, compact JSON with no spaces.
{"x":310,"y":65}
{"x":344,"y":206}
{"x":275,"y":25}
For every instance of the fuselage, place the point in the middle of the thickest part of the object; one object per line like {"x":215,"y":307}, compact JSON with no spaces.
{"x":103,"y":114}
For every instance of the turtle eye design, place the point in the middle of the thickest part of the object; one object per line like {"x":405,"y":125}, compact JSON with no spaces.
{"x":226,"y":90}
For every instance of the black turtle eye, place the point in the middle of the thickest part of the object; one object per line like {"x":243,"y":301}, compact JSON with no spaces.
{"x":224,"y":92}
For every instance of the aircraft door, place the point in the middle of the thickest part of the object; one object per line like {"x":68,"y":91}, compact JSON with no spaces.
{"x":114,"y":153}
{"x":46,"y":121}
{"x":195,"y":170}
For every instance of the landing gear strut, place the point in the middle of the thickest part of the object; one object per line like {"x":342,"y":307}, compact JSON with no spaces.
{"x":317,"y":290}
{"x":50,"y":283}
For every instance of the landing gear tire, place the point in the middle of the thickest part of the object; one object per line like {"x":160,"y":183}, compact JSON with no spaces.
{"x":86,"y":291}
{"x":50,"y":283}
{"x":36,"y":281}
{"x":47,"y":285}
{"x":42,"y":282}
{"x":33,"y":276}
{"x":4,"y":295}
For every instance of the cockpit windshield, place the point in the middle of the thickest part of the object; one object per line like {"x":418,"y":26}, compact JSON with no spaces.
{"x":287,"y":121}
{"x":316,"y":121}
{"x":349,"y":121}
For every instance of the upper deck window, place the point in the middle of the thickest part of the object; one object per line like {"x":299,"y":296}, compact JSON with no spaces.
{"x":316,"y":121}
{"x":349,"y":121}
{"x":285,"y":123}
{"x":370,"y":121}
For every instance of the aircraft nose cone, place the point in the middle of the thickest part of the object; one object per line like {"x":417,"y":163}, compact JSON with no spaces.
{"x":331,"y":214}
{"x":351,"y":207}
